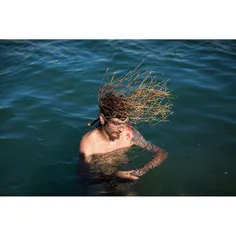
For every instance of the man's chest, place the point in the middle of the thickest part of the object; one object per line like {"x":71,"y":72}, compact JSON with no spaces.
{"x":104,"y":147}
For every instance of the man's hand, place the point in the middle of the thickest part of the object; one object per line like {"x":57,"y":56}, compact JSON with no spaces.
{"x":139,"y":172}
{"x":127,"y":175}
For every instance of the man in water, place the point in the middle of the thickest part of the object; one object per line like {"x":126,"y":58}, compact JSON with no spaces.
{"x":112,"y":137}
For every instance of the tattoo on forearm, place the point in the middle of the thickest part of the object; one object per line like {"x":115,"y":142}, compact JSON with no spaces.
{"x":160,"y":154}
{"x":156,"y":161}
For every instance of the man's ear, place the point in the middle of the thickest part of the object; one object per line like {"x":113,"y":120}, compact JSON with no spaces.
{"x":102,"y":119}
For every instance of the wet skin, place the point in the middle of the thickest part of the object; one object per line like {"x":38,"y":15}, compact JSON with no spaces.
{"x":113,"y":138}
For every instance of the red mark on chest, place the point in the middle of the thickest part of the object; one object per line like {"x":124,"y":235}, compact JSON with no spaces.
{"x":128,"y":135}
{"x":129,"y":128}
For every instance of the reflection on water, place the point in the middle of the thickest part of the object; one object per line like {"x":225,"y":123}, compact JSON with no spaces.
{"x":49,"y":93}
{"x":99,"y":177}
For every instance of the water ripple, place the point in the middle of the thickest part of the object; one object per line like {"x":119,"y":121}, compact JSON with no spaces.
{"x":49,"y":94}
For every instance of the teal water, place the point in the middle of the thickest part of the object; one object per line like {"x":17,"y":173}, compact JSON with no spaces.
{"x":48,"y":93}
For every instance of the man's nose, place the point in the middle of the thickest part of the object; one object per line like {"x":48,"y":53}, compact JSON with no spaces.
{"x":121,"y":128}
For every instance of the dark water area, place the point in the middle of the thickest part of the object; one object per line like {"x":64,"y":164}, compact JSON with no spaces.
{"x":48,"y":94}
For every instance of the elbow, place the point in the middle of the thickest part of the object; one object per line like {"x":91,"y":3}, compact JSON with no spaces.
{"x":164,"y":155}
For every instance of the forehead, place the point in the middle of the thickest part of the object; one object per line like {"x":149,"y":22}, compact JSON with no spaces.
{"x":119,"y":120}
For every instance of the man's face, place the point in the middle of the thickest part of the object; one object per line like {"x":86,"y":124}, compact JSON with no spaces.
{"x":115,"y":127}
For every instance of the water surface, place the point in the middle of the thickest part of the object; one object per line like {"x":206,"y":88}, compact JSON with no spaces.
{"x":49,"y":94}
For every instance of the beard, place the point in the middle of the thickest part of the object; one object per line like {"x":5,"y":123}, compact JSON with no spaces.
{"x":115,"y":135}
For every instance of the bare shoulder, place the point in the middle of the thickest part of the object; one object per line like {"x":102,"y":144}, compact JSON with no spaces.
{"x":136,"y":136}
{"x":87,"y":144}
{"x":139,"y":140}
{"x":133,"y":135}
{"x":128,"y":134}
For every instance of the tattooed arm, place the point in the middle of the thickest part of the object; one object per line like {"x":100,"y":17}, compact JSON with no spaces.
{"x":159,"y":154}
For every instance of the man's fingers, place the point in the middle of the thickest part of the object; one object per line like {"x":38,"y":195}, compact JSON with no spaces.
{"x":133,"y":177}
{"x":127,"y":175}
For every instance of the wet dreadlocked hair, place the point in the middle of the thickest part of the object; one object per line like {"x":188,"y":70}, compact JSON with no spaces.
{"x":139,"y":96}
{"x":113,"y":105}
